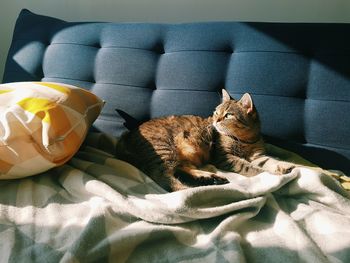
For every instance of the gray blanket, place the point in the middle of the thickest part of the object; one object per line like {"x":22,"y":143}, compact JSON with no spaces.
{"x":99,"y":209}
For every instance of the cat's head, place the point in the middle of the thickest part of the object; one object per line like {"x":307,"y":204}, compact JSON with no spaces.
{"x":238,"y":119}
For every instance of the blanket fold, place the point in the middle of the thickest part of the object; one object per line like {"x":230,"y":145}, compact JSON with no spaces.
{"x":96,"y":208}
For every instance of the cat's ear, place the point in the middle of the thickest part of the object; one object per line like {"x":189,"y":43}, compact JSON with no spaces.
{"x":225,"y":96}
{"x":247,"y":102}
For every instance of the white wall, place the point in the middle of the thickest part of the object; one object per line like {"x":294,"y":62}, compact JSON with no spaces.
{"x":172,"y":11}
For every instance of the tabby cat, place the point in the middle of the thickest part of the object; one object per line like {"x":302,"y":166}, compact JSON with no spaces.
{"x":179,"y":152}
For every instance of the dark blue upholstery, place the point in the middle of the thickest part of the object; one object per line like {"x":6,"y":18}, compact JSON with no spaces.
{"x":298,"y":74}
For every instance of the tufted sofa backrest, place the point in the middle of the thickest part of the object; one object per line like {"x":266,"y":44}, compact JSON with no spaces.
{"x":298,"y":74}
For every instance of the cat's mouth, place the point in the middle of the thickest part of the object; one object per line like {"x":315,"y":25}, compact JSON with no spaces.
{"x":221,"y":130}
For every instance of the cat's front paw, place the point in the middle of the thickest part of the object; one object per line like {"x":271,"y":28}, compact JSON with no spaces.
{"x":217,"y":180}
{"x":213,"y":179}
{"x":284,"y":168}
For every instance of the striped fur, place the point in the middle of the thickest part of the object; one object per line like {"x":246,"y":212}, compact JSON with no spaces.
{"x":182,"y":151}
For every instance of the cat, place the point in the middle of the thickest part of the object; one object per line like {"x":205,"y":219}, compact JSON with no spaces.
{"x":178,"y":152}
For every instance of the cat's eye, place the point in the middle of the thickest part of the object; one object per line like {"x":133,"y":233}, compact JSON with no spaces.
{"x":229,"y":116}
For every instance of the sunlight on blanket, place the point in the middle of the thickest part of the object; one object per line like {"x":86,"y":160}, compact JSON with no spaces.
{"x":87,"y":209}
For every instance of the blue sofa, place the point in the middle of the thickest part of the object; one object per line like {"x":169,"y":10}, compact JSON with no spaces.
{"x":96,"y":208}
{"x":298,"y":74}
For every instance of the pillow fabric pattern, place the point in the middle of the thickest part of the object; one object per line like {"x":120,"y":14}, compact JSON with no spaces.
{"x":42,"y":125}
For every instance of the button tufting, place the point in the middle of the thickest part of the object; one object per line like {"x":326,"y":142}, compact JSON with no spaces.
{"x":159,"y":48}
{"x":228,"y":49}
{"x":97,"y":45}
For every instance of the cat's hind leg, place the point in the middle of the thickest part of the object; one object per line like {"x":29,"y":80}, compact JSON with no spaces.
{"x":167,"y":180}
{"x":192,"y":176}
{"x":186,"y":176}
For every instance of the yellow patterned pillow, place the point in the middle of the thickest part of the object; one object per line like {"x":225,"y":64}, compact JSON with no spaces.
{"x":42,"y":125}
